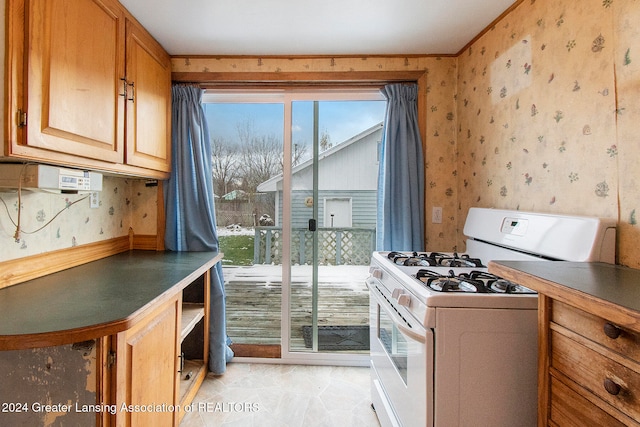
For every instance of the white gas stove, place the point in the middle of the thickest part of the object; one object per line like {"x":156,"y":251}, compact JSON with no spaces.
{"x":445,"y":332}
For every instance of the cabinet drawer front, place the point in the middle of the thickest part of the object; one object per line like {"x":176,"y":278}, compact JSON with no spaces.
{"x":569,"y":408}
{"x":595,"y":328}
{"x":591,"y":369}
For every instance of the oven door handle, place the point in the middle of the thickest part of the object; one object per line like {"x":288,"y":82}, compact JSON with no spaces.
{"x":419,"y":336}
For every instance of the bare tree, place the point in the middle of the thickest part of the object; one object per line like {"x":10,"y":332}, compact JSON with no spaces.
{"x":261,"y":159}
{"x":249,"y":160}
{"x":325,"y":140}
{"x":225,"y":160}
{"x":299,"y":153}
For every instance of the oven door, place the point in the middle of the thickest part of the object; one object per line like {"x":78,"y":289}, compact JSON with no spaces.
{"x":401,"y":362}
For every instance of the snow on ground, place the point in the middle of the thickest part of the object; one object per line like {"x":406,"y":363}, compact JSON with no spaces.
{"x":235,"y":231}
{"x":351,"y":276}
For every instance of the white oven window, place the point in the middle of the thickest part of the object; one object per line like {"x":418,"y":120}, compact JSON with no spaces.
{"x":394,"y":344}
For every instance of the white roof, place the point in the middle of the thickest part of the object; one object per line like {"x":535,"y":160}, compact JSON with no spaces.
{"x":272,"y":184}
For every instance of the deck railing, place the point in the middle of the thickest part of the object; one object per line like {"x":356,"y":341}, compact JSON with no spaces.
{"x":337,"y":246}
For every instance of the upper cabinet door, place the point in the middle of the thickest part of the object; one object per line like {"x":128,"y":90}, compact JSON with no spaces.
{"x":148,"y":129}
{"x":75,"y":77}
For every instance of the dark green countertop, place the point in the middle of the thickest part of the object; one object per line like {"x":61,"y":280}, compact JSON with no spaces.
{"x":97,"y":294}
{"x":601,"y":286}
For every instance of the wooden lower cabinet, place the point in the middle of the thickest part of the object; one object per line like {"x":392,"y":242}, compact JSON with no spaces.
{"x":588,"y":340}
{"x":589,"y":369}
{"x":147,"y":367}
{"x":161,"y":361}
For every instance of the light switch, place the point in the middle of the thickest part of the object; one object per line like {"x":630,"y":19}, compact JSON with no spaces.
{"x":436,"y":215}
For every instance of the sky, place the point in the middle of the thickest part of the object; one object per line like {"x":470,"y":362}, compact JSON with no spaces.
{"x":339,"y":119}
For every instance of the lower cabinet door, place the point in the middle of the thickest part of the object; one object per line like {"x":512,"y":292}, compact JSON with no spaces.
{"x":147,"y":369}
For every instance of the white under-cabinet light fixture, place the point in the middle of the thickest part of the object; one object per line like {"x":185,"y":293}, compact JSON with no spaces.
{"x":14,"y":176}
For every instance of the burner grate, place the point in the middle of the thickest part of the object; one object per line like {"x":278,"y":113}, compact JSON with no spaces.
{"x":473,"y":282}
{"x":450,"y":282}
{"x":500,"y":285}
{"x":433,"y":259}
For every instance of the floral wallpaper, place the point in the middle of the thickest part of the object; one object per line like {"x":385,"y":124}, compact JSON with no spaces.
{"x":58,"y":221}
{"x":537,"y":112}
{"x":441,"y":174}
{"x":542,"y":100}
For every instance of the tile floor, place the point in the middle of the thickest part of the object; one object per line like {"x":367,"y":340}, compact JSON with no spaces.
{"x":251,"y":394}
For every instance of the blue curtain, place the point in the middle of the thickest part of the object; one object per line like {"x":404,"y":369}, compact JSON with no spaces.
{"x":189,"y":206}
{"x":401,"y":173}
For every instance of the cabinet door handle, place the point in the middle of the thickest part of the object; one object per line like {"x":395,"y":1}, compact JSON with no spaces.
{"x":133,"y":92}
{"x":611,"y":330}
{"x":611,"y":386}
{"x":181,"y":364}
{"x":124,"y":87}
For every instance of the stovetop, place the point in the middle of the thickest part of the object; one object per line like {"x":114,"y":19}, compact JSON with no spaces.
{"x":436,"y":279}
{"x":451,"y":278}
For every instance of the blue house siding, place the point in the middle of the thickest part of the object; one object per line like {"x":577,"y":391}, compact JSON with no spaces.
{"x":363,"y":207}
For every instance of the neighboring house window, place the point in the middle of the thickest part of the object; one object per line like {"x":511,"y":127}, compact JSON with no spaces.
{"x":337,"y":212}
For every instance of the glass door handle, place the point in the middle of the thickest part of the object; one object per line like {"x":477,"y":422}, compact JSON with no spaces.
{"x":312,"y":225}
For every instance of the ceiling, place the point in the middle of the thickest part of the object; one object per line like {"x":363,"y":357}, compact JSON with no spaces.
{"x":315,"y":27}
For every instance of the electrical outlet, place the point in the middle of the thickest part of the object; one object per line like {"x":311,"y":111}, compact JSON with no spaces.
{"x":436,"y":215}
{"x":94,"y":200}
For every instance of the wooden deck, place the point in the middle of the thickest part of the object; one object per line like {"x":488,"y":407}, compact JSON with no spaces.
{"x":254,"y":297}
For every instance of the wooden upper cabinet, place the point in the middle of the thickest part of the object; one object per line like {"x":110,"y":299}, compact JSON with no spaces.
{"x":148,"y":101}
{"x":75,"y":67}
{"x":87,"y":87}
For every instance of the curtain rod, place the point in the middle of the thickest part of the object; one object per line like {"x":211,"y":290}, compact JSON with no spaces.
{"x":296,"y":84}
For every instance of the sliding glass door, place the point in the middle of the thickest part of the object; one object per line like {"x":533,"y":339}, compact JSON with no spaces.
{"x":313,"y":237}
{"x":333,"y":214}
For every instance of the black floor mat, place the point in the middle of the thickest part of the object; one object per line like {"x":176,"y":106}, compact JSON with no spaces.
{"x":337,"y":338}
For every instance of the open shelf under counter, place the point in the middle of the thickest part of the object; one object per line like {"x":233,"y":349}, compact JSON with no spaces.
{"x":192,"y":313}
{"x":194,"y":338}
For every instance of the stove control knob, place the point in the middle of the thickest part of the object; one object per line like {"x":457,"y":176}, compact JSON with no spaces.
{"x":397,"y":292}
{"x":404,"y":300}
{"x":375,"y":273}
